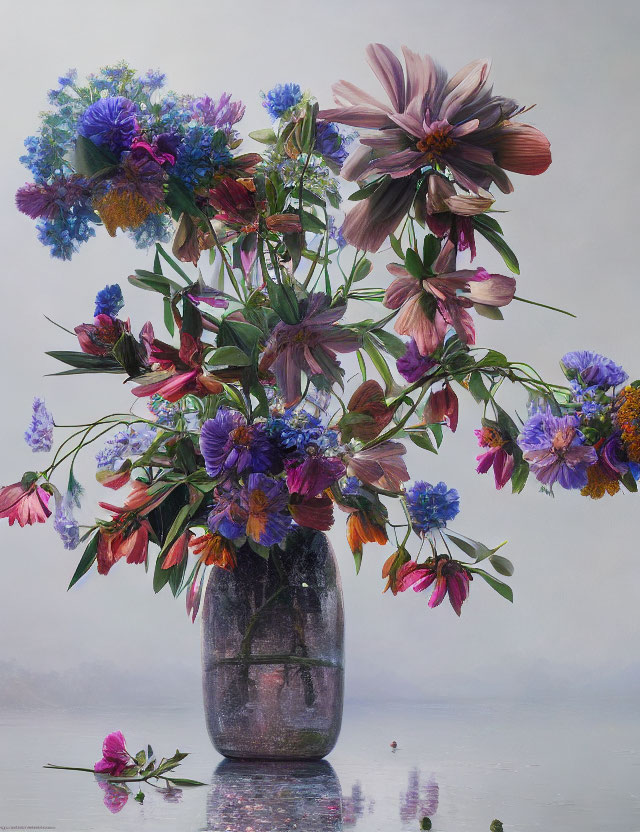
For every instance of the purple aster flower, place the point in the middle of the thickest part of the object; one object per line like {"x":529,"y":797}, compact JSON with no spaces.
{"x":39,"y":434}
{"x":555,"y":450}
{"x":110,"y":122}
{"x":412,"y":365}
{"x":331,"y":144}
{"x":590,"y":369}
{"x":221,"y":114}
{"x":109,"y":301}
{"x":613,"y":457}
{"x":258,"y":510}
{"x":310,"y":346}
{"x":431,"y":506}
{"x":281,"y":98}
{"x":314,"y":475}
{"x":227,"y":442}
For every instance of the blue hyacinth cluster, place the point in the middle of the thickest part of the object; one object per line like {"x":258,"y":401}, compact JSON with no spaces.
{"x":157,"y":228}
{"x":432,"y":506}
{"x":39,"y":434}
{"x":64,"y":234}
{"x":202,"y":151}
{"x":298,"y":430}
{"x":281,"y":98}
{"x":109,"y":301}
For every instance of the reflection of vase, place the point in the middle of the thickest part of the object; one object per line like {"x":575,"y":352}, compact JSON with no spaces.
{"x":273,"y":652}
{"x":274,"y":797}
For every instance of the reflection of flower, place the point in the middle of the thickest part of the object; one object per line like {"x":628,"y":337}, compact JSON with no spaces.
{"x":115,"y":795}
{"x":420,"y":800}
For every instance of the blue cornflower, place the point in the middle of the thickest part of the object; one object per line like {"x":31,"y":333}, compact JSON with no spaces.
{"x":109,"y":301}
{"x":64,"y":233}
{"x":66,"y":525}
{"x":352,"y":487}
{"x":39,"y":434}
{"x":157,"y":228}
{"x":110,"y":122}
{"x":331,"y":144}
{"x":153,"y":80}
{"x":68,"y":79}
{"x":281,"y":98}
{"x":432,"y":506}
{"x":590,"y":369}
{"x":590,"y":408}
{"x":202,"y":151}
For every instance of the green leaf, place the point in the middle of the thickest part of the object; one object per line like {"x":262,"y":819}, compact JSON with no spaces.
{"x":265,"y":136}
{"x":168,"y":316}
{"x":437,"y":432}
{"x":378,"y":361}
{"x":500,"y":587}
{"x":139,"y":797}
{"x":357,"y":558}
{"x":141,"y":758}
{"x":491,"y":312}
{"x":90,"y":159}
{"x":629,"y":482}
{"x":500,"y":246}
{"x":503,"y":566}
{"x":84,"y":361}
{"x":240,"y":334}
{"x":367,"y":191}
{"x":413,"y":264}
{"x":127,"y":352}
{"x":493,"y":358}
{"x":228,"y":357}
{"x":263,"y":551}
{"x":362,"y":270}
{"x":175,"y":266}
{"x":519,"y":476}
{"x":184,"y":781}
{"x":180,"y":199}
{"x":86,"y":561}
{"x":477,"y":387}
{"x":396,"y":246}
{"x":473,"y":548}
{"x":312,"y":223}
{"x":284,"y":302}
{"x":431,"y":249}
{"x":489,"y":222}
{"x":422,"y":440}
{"x":395,"y":346}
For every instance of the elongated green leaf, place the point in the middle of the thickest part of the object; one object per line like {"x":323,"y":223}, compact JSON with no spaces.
{"x":493,"y":358}
{"x":362,"y":365}
{"x":413,"y":263}
{"x":396,"y":246}
{"x":500,"y":246}
{"x":473,"y":548}
{"x":265,"y":136}
{"x":84,"y":361}
{"x":430,"y":250}
{"x":367,"y":191}
{"x":284,"y":302}
{"x":89,"y":159}
{"x":477,"y":387}
{"x":395,"y":346}
{"x":86,"y":561}
{"x":169,"y":321}
{"x":312,"y":223}
{"x":239,"y":334}
{"x":362,"y":270}
{"x":519,"y":476}
{"x":184,"y":781}
{"x":491,"y":312}
{"x":175,"y":266}
{"x":437,"y":432}
{"x":500,"y":587}
{"x":502,"y":565}
{"x":378,"y":361}
{"x":629,"y":482}
{"x":489,"y":222}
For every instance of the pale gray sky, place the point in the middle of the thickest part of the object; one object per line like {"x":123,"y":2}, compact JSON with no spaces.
{"x":574,"y":626}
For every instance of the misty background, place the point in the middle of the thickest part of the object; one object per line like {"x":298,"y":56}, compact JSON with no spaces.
{"x":573,"y":629}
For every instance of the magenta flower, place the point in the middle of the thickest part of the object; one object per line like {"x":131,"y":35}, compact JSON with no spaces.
{"x":115,"y":757}
{"x":314,"y":475}
{"x":309,"y":346}
{"x":430,"y":121}
{"x":412,"y":366}
{"x":497,"y":457}
{"x":450,"y":577}
{"x":428,"y":307}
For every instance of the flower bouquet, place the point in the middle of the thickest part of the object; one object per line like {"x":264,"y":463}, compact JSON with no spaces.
{"x":245,"y":426}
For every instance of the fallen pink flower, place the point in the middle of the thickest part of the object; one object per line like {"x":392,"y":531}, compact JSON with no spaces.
{"x":115,"y":756}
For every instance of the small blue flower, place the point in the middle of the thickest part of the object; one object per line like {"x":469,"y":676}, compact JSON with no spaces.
{"x":202,"y":151}
{"x":39,"y":434}
{"x":133,"y":441}
{"x":352,"y":487}
{"x":281,"y":98}
{"x":432,"y":506}
{"x":109,"y":301}
{"x":64,"y":233}
{"x":153,"y":80}
{"x":157,"y":228}
{"x":335,"y":233}
{"x":590,"y":369}
{"x":331,"y":143}
{"x":68,"y":79}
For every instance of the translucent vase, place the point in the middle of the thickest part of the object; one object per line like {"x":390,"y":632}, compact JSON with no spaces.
{"x":273,"y":652}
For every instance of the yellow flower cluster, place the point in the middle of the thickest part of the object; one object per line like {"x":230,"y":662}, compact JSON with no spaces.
{"x":599,"y":483}
{"x":628,"y":418}
{"x":124,"y":209}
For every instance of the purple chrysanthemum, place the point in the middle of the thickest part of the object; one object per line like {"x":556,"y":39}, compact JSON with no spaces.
{"x":39,"y":434}
{"x":590,"y":369}
{"x":412,"y":365}
{"x":228,"y":442}
{"x":555,"y":450}
{"x":111,"y":123}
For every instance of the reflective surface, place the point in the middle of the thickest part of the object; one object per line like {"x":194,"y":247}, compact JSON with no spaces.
{"x":547,"y":768}
{"x":273,"y":652}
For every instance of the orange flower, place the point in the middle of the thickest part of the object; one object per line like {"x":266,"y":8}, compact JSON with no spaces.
{"x":118,"y":542}
{"x":178,"y":551}
{"x":361,"y":528}
{"x":214,"y":550}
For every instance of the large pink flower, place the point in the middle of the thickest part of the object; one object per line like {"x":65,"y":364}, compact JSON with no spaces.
{"x":431,"y":120}
{"x":27,"y":505}
{"x":433,"y":304}
{"x":115,"y":757}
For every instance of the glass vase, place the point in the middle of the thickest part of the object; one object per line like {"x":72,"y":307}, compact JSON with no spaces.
{"x":273,"y":652}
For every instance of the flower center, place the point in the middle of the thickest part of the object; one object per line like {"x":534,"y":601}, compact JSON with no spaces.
{"x":491,"y":438}
{"x":436,"y":143}
{"x":241,"y":435}
{"x":258,"y":501}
